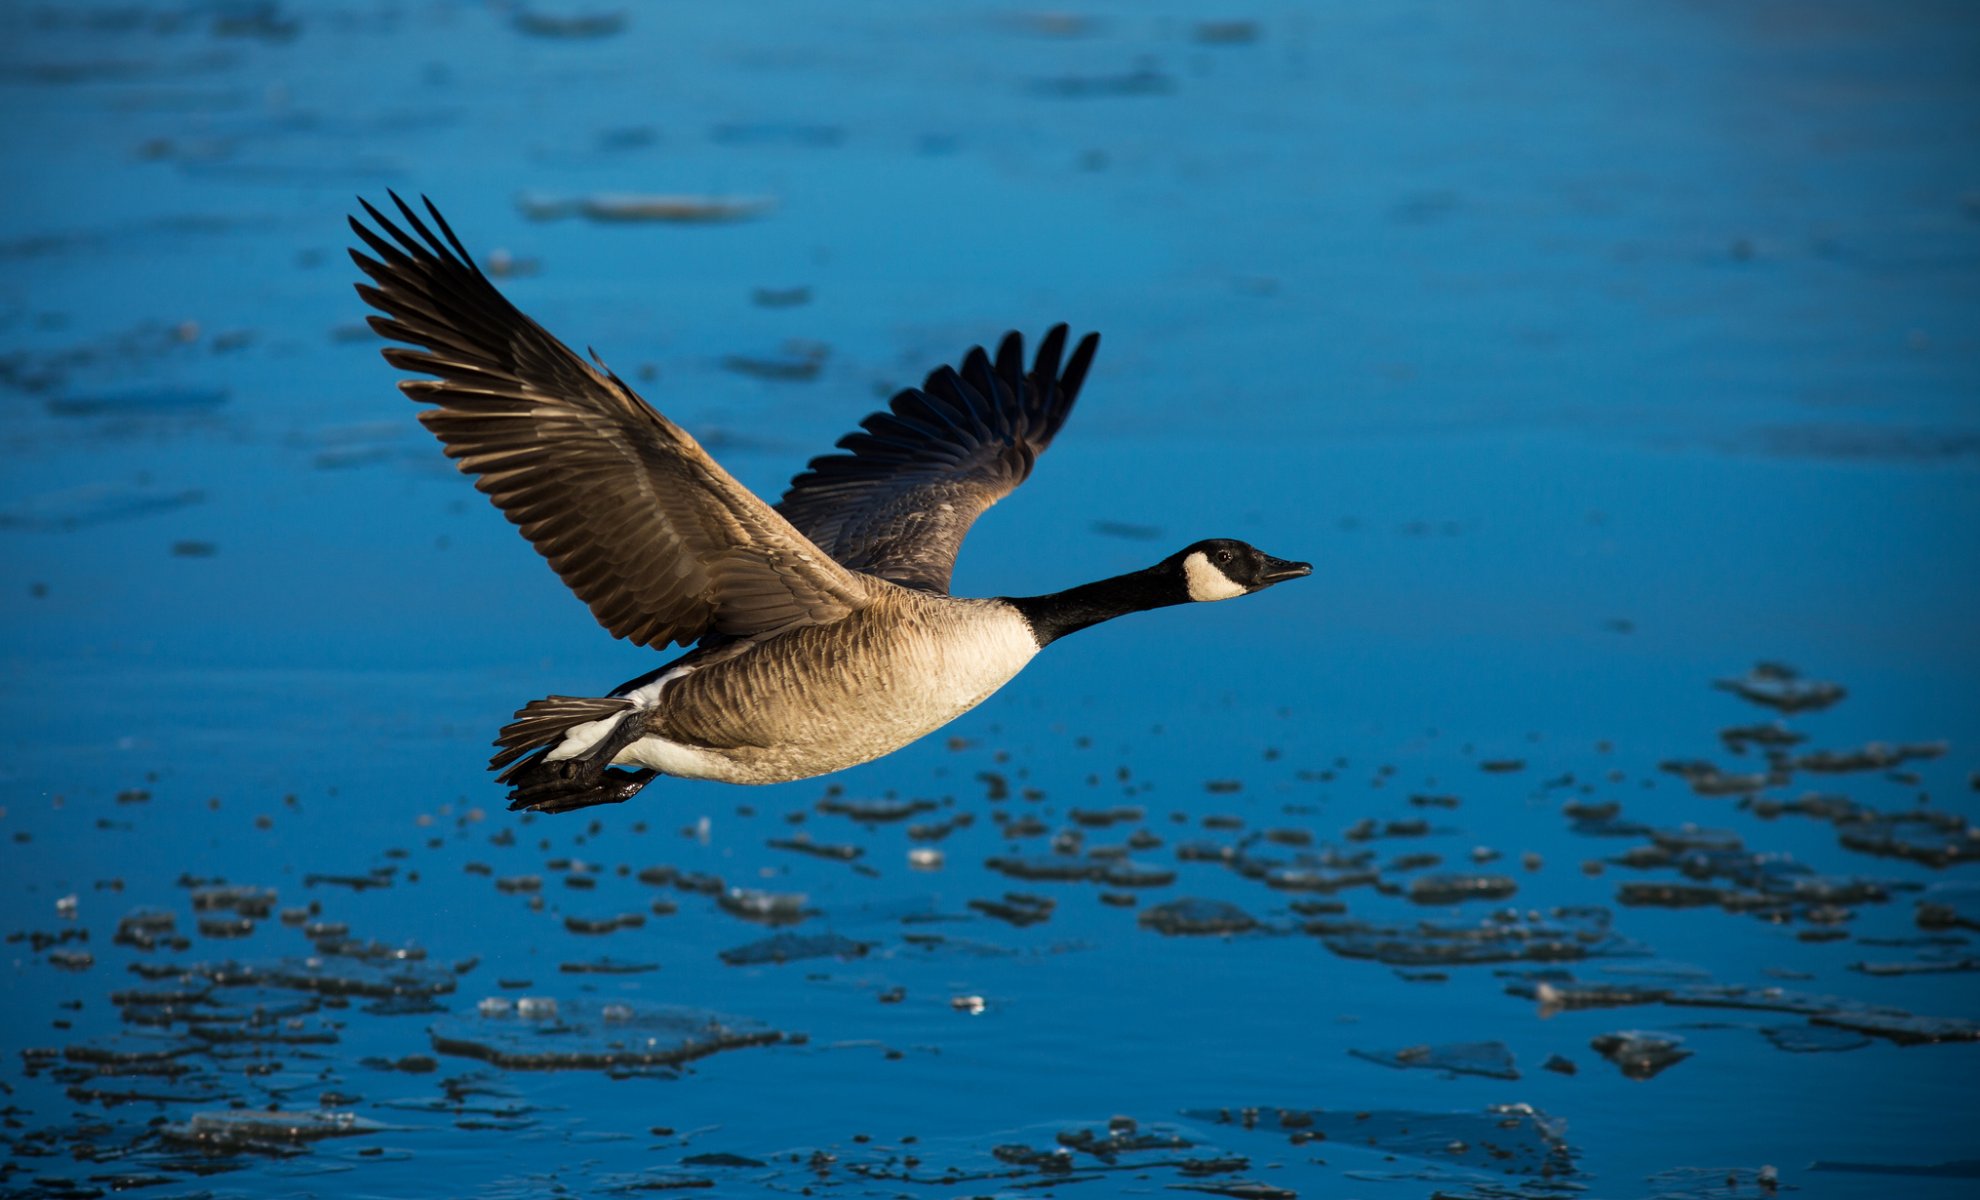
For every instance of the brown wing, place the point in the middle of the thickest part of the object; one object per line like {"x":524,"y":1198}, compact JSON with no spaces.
{"x":919,"y":474}
{"x":642,"y":524}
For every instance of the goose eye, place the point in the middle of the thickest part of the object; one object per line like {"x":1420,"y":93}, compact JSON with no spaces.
{"x":1223,"y":556}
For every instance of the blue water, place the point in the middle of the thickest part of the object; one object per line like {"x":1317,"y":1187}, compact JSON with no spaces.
{"x":1592,"y":354}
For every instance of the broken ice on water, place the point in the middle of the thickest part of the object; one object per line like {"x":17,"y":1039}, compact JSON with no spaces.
{"x":1556,"y":935}
{"x":1191,"y":916}
{"x":586,"y":1034}
{"x":1491,"y":1059}
{"x":1641,"y":1055}
{"x":269,"y":1131}
{"x":1508,"y":1140}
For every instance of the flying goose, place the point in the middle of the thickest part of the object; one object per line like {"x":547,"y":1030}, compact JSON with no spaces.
{"x":822,"y":630}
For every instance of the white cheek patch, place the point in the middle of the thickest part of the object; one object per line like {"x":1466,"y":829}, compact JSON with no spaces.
{"x":1206,"y":582}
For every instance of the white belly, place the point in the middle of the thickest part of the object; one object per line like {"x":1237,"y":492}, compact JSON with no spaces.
{"x":818,"y":714}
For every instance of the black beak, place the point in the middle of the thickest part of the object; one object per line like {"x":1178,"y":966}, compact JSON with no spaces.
{"x":1279,"y":569}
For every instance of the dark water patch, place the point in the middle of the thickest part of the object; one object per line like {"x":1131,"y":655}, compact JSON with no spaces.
{"x":1368,"y":829}
{"x":265,"y":1132}
{"x":1557,"y":935}
{"x":1054,"y":868}
{"x":767,"y":908}
{"x":1145,"y":79}
{"x":1103,"y":818}
{"x":95,"y":504}
{"x":1772,"y":886}
{"x":1037,"y":1157}
{"x":699,"y":883}
{"x":1697,"y":895}
{"x":1864,"y":443}
{"x":1196,"y":918}
{"x":1963,"y":1168}
{"x":1770,"y":736}
{"x":786,"y":297}
{"x":1016,"y":908}
{"x":803,"y":844}
{"x":1934,"y":837}
{"x":1246,"y":1189}
{"x":1095,"y":867}
{"x":144,"y":402}
{"x":1707,"y":779}
{"x":1602,"y":818}
{"x":650,"y":1181}
{"x":1949,"y":907}
{"x":1491,"y":1059}
{"x":1717,"y":1183}
{"x":794,"y":362}
{"x":608,"y":966}
{"x":630,"y":208}
{"x":1894,"y":1024}
{"x":1127,"y":531}
{"x":1902,"y":1028}
{"x":874,"y":811}
{"x":579,"y":1034}
{"x":1876,"y":756}
{"x":377,"y":877}
{"x":362,"y":444}
{"x":569,"y":26}
{"x":1235,"y":32}
{"x":594,"y":926}
{"x":1122,"y":873}
{"x":322,"y":976}
{"x":1813,"y":1039}
{"x":1639,"y":1054}
{"x":1460,"y":888}
{"x":792,"y":947}
{"x":246,"y":901}
{"x":1782,"y":687}
{"x":1319,"y":873}
{"x":1514,"y":1140}
{"x":1927,"y":966}
{"x":148,"y":929}
{"x":225,"y":927}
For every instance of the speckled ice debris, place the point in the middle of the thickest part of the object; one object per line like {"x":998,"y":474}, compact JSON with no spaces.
{"x":1513,"y":1140}
{"x":581,"y":1034}
{"x":791,"y":947}
{"x":242,"y":1129}
{"x":1492,"y":1059}
{"x":1557,"y":935}
{"x":1459,"y":888}
{"x":769,"y":908}
{"x":1782,"y":687}
{"x":1641,"y":1055}
{"x":1191,"y":916}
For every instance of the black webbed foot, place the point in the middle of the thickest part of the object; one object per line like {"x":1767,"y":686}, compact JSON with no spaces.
{"x":549,"y":790}
{"x":539,"y":784}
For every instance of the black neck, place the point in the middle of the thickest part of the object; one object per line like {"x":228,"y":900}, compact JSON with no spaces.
{"x":1053,"y":617}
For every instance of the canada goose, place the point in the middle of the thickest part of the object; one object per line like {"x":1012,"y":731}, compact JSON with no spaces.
{"x":822,"y":628}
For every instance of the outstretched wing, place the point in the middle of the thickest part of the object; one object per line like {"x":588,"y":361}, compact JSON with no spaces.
{"x":919,"y":474}
{"x":635,"y":516}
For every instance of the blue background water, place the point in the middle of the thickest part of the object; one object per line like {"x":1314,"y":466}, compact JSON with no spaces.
{"x":1591,"y":353}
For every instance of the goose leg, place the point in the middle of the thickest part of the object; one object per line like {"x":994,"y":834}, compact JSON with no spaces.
{"x":543,"y":785}
{"x":613,"y":785}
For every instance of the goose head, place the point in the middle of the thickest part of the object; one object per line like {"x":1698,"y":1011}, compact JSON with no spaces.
{"x":1225,"y":568}
{"x":1215,"y":569}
